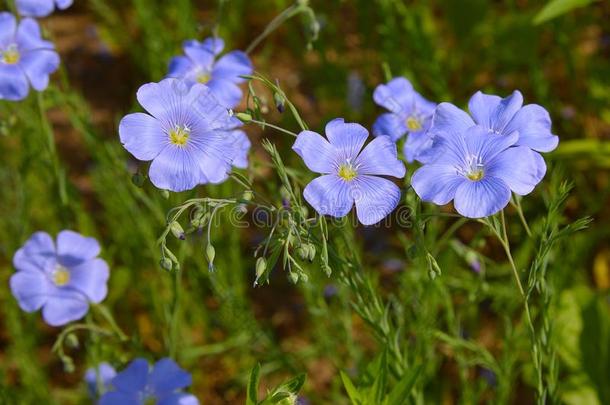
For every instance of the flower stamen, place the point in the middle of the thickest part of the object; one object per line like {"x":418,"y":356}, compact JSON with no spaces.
{"x":413,"y":123}
{"x":179,"y":135}
{"x":203,"y":77}
{"x":60,"y":276}
{"x":347,"y":172}
{"x":11,"y":55}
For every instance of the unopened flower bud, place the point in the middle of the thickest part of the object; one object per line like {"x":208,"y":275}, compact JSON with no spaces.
{"x":261,"y":267}
{"x":293,"y":277}
{"x":280,"y":102}
{"x":138,"y":179}
{"x":248,"y":195}
{"x":243,"y":117}
{"x":166,"y":264}
{"x":165,"y":194}
{"x":177,"y":230}
{"x":210,"y":253}
{"x":303,"y":252}
{"x":312,"y":252}
{"x":72,"y":340}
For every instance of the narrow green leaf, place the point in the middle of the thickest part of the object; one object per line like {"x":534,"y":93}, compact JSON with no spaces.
{"x":252,"y":392}
{"x":401,"y":391}
{"x":352,"y":391}
{"x":555,"y":8}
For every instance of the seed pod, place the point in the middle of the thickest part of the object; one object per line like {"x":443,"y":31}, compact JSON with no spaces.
{"x":303,"y":252}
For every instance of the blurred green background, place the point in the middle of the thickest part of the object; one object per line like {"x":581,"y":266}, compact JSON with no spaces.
{"x":450,"y":325}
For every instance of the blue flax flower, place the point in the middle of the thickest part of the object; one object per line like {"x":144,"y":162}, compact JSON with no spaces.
{"x":241,"y":147}
{"x":61,"y":278}
{"x":40,"y":8}
{"x":199,"y":65}
{"x":25,"y":58}
{"x":141,"y":384}
{"x":349,"y":173}
{"x":478,"y":170}
{"x":410,"y":114}
{"x":500,"y":116}
{"x":188,"y":135}
{"x":98,"y":379}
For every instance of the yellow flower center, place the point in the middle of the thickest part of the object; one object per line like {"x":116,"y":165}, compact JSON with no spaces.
{"x":11,"y":55}
{"x":179,"y":135}
{"x":347,"y":172}
{"x":413,"y":124}
{"x":203,"y":78}
{"x":61,"y":276}
{"x":475,"y":175}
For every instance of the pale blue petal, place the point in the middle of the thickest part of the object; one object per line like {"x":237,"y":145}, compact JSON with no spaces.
{"x":35,"y":253}
{"x":91,"y":278}
{"x":231,"y":66}
{"x":105,"y":372}
{"x":214,"y":45}
{"x":74,"y":248}
{"x":375,"y":198}
{"x":317,"y":153}
{"x":449,"y":121}
{"x":31,"y":289}
{"x":167,"y":377}
{"x":163,"y":98}
{"x":396,"y":96}
{"x":134,"y":378}
{"x":179,"y":398}
{"x":478,"y":199}
{"x":423,"y":106}
{"x":517,"y":167}
{"x":436,"y":183}
{"x":35,"y":8}
{"x":493,"y":112}
{"x":13,"y":83}
{"x":142,"y":136}
{"x":29,"y":36}
{"x":64,"y":306}
{"x":347,"y":138}
{"x":120,"y":398}
{"x":241,"y":146}
{"x":179,"y":67}
{"x":390,"y":124}
{"x":8,"y":28}
{"x":202,"y":103}
{"x":486,"y":145}
{"x":540,"y":166}
{"x":380,"y":158}
{"x":226,"y":92}
{"x":199,"y":55}
{"x":329,"y":195}
{"x":38,"y":65}
{"x":417,"y":145}
{"x":534,"y":126}
{"x":63,"y":4}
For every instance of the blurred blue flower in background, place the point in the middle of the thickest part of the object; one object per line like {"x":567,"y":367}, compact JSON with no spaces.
{"x":25,"y":58}
{"x":478,"y":170}
{"x":187,"y":135}
{"x":98,"y":379}
{"x":410,"y":114}
{"x":199,"y":65}
{"x":40,"y":8}
{"x":349,"y":174}
{"x":140,"y":384}
{"x":60,"y":278}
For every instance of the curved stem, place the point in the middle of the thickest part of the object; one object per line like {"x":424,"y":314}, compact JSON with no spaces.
{"x":517,"y":205}
{"x":110,"y":319}
{"x":266,"y":124}
{"x":274,"y":24}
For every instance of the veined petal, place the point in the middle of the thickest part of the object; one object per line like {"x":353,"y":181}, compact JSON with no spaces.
{"x":329,"y":195}
{"x":91,"y":278}
{"x":177,"y":169}
{"x":493,"y":112}
{"x":30,"y":288}
{"x":478,"y":199}
{"x":13,"y":83}
{"x":380,"y":158}
{"x":317,"y":153}
{"x":390,"y":124}
{"x":487,"y":145}
{"x":74,"y":248}
{"x":38,"y":65}
{"x":517,"y":167}
{"x":396,"y":96}
{"x":347,"y":138}
{"x":226,"y":92}
{"x":142,"y":136}
{"x":133,"y":378}
{"x":375,"y":198}
{"x":533,"y":124}
{"x":436,"y":183}
{"x":449,"y":121}
{"x":416,"y":146}
{"x":167,"y":376}
{"x":231,"y":66}
{"x":163,"y":98}
{"x":241,"y":146}
{"x":8,"y":27}
{"x":64,"y":306}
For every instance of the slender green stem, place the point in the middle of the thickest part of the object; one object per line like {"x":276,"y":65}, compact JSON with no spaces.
{"x":48,"y":130}
{"x":274,"y":24}
{"x":107,"y":315}
{"x":266,"y":124}
{"x":175,"y":313}
{"x":517,"y":205}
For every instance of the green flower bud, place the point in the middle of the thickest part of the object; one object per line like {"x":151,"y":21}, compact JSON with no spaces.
{"x":210,"y":253}
{"x":312,"y":252}
{"x":248,"y":195}
{"x":293,"y":277}
{"x":243,"y":117}
{"x":177,"y":230}
{"x":166,"y":264}
{"x":303,"y":252}
{"x":138,"y":179}
{"x":261,"y":267}
{"x":72,"y":340}
{"x":165,"y":194}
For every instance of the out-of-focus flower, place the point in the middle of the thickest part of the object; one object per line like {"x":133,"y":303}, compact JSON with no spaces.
{"x":40,"y":8}
{"x":478,"y":170}
{"x":61,"y":278}
{"x":140,"y":384}
{"x":25,"y":58}
{"x":187,"y":135}
{"x":355,"y":91}
{"x":350,"y":173}
{"x":199,"y":65}
{"x":410,"y":114}
{"x":98,"y":379}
